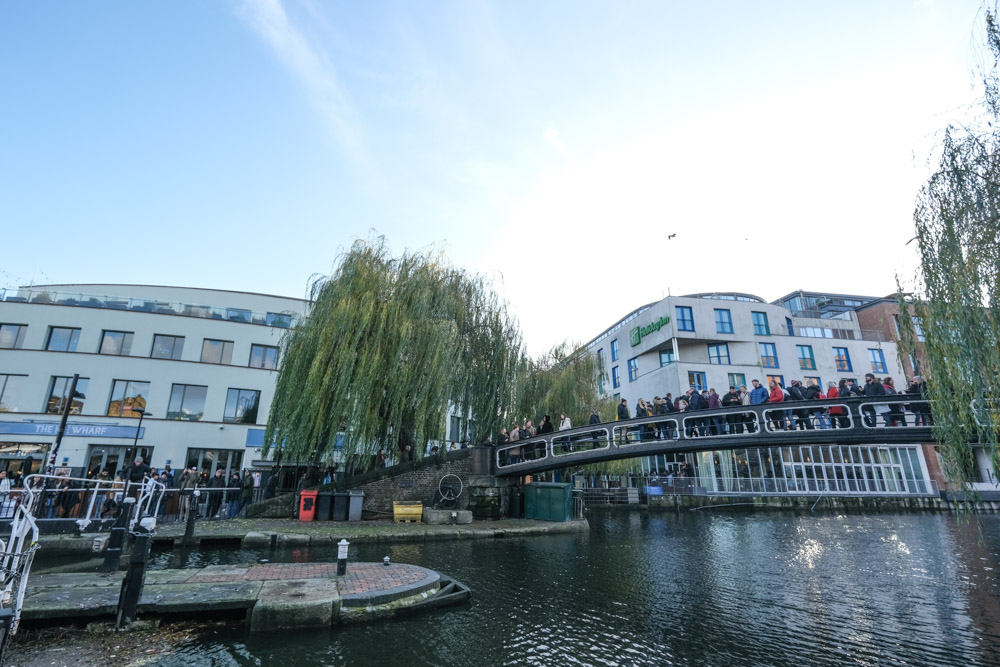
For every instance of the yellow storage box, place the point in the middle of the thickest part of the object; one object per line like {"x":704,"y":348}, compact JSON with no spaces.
{"x":407,"y":511}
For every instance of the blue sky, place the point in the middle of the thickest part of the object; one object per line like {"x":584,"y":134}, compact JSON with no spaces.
{"x":551,"y":145}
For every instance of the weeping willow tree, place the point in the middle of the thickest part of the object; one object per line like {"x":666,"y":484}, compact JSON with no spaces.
{"x":389,"y":344}
{"x":565,"y":379}
{"x":957,"y":220}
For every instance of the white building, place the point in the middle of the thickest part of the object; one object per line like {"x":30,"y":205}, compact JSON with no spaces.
{"x":729,"y":339}
{"x":200,"y":363}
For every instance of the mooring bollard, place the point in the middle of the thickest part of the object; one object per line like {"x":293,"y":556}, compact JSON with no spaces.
{"x":342,"y":557}
{"x":135,"y":578}
{"x":188,"y":538}
{"x":116,"y":540}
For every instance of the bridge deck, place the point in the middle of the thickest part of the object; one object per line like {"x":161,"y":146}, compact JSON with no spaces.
{"x":860,"y":421}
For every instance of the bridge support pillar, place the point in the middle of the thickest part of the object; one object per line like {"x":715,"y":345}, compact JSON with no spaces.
{"x":490,"y":497}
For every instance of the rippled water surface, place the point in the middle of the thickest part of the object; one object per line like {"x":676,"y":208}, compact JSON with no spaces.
{"x":695,"y":588}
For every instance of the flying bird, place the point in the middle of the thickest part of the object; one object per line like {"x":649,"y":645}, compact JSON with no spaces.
{"x":671,"y":236}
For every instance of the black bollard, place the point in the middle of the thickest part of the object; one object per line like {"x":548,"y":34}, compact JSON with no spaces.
{"x":116,"y":540}
{"x":135,"y":578}
{"x":189,"y":526}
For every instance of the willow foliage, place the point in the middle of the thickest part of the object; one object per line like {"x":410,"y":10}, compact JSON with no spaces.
{"x":563,"y":380}
{"x":388,"y":344}
{"x":957,"y":221}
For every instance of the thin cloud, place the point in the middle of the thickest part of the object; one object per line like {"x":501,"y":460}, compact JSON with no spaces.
{"x":307,"y":61}
{"x":552,"y":136}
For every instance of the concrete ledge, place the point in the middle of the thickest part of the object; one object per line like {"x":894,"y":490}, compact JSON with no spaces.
{"x":435,"y":517}
{"x":296,"y":604}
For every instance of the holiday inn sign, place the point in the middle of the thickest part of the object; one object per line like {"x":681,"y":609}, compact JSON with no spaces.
{"x":635,"y":336}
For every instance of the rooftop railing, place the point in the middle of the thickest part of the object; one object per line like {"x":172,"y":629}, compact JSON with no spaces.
{"x":285,"y":320}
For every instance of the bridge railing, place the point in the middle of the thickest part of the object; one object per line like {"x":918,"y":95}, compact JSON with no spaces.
{"x":771,"y":422}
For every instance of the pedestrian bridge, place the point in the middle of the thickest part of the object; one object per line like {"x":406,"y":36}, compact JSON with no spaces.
{"x":856,"y":421}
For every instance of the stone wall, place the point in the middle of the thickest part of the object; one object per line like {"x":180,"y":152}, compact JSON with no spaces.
{"x":418,"y":483}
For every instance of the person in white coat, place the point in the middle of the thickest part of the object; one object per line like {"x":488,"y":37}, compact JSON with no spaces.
{"x":564,"y":422}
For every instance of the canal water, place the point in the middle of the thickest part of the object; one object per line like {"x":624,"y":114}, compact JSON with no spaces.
{"x":666,"y":588}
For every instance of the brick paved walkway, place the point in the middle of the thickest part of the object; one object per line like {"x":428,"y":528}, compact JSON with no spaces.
{"x":361,"y":578}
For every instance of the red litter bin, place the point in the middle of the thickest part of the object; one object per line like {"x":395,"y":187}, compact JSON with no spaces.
{"x":307,"y":505}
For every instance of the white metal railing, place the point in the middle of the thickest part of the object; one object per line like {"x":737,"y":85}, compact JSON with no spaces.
{"x":284,"y":320}
{"x":88,"y":501}
{"x":670,"y":485}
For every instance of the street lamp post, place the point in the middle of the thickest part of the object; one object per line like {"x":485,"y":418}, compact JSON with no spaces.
{"x":70,"y":395}
{"x":135,"y":442}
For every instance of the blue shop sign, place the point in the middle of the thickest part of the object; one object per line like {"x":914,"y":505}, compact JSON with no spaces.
{"x":72,"y":430}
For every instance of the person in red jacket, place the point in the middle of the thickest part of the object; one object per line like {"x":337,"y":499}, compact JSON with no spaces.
{"x":776,"y":396}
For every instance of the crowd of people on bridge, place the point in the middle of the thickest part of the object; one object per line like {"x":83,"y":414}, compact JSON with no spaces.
{"x":801,"y":418}
{"x":809,"y":417}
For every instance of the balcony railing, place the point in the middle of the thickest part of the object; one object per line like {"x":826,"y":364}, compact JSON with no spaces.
{"x":284,"y":320}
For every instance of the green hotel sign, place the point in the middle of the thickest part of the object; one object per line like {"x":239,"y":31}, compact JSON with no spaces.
{"x":635,"y":336}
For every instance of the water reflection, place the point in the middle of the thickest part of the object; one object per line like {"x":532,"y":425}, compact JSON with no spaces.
{"x":674,"y":589}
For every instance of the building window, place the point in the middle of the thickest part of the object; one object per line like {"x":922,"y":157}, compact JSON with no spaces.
{"x":207,"y":461}
{"x":723,"y":321}
{"x":600,"y":383}
{"x":62,"y":339}
{"x":600,"y":359}
{"x":12,"y":336}
{"x":263,"y":356}
{"x":768,"y":355}
{"x":633,"y":369}
{"x":241,"y":406}
{"x":789,"y":326}
{"x":126,"y":397}
{"x":719,"y":354}
{"x":812,"y":380}
{"x":614,"y":350}
{"x":842,"y":359}
{"x":737,"y":380}
{"x":760,"y":325}
{"x":616,"y":378}
{"x":187,"y":402}
{"x":696,"y":379}
{"x":58,"y":391}
{"x":666,"y":357}
{"x":685,"y":318}
{"x":780,"y":379}
{"x":13,"y":392}
{"x":217,"y":351}
{"x":237,"y":315}
{"x":281,"y":320}
{"x":877,"y":360}
{"x":167,"y":347}
{"x":806,"y":360}
{"x":118,"y":343}
{"x":918,"y":328}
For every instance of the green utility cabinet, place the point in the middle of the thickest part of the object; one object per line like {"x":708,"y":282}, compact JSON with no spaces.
{"x":548,"y":501}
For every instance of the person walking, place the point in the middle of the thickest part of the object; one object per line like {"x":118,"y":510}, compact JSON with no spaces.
{"x":216,"y":488}
{"x":233,"y":494}
{"x":185,"y":487}
{"x":246,"y":490}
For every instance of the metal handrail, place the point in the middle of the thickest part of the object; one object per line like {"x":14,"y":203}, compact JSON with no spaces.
{"x":284,"y":320}
{"x":862,"y":415}
{"x":781,"y":486}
